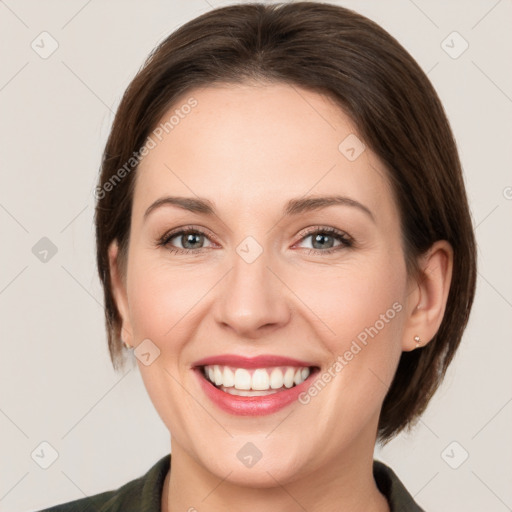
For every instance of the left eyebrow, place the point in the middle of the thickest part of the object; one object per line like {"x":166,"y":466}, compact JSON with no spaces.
{"x":301,"y":205}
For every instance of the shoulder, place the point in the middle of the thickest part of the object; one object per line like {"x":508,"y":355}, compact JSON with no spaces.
{"x":145,"y":493}
{"x":390,"y":485}
{"x":142,"y":494}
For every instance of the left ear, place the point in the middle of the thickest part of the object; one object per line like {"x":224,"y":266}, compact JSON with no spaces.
{"x":426,"y":301}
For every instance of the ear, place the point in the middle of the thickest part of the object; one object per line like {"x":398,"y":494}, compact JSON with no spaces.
{"x":428,"y":293}
{"x":118,"y":284}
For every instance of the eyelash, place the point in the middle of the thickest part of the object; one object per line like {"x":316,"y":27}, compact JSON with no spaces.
{"x":346,"y":240}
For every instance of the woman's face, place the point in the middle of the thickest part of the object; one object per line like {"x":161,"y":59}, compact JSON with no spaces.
{"x":268,"y":286}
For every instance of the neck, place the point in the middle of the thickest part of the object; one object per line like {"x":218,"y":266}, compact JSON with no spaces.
{"x":344,"y":483}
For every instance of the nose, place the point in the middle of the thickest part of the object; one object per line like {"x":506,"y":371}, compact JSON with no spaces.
{"x":252,"y":300}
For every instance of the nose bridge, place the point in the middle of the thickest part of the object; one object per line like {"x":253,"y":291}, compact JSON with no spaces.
{"x":252,"y":297}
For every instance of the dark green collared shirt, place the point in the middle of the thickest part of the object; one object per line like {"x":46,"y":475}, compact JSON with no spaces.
{"x":144,"y":494}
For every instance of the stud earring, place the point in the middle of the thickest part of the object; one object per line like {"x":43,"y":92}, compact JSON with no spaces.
{"x":126,"y":344}
{"x":417,"y":339}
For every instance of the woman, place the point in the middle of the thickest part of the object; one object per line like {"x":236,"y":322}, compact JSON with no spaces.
{"x":285,"y":243}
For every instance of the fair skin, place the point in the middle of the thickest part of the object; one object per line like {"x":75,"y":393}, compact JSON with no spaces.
{"x":249,"y":149}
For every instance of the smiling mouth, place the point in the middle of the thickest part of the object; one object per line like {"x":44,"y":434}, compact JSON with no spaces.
{"x":255,"y":381}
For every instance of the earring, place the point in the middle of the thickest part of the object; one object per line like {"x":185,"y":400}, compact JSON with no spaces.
{"x":126,"y":344}
{"x":417,"y":339}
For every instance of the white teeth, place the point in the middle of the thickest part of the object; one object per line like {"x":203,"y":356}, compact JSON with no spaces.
{"x":265,"y":380}
{"x":242,"y":379}
{"x":276,"y":379}
{"x":260,"y":380}
{"x":228,"y":378}
{"x":217,"y":374}
{"x":288,"y":377}
{"x":240,"y":392}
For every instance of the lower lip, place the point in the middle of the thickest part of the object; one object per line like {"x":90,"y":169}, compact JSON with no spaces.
{"x":252,"y":405}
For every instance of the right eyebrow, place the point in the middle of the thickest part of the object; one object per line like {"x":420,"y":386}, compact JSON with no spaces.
{"x":190,"y":204}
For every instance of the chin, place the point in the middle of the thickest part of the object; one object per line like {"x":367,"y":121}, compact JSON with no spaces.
{"x":253,"y":461}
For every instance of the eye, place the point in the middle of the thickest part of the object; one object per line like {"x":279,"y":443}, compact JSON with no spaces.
{"x":185,"y":241}
{"x":327,"y":240}
{"x":191,"y":240}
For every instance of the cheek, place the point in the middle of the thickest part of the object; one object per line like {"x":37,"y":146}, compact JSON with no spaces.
{"x":361,"y":320}
{"x":161,"y":303}
{"x":162,"y":298}
{"x":355,"y":297}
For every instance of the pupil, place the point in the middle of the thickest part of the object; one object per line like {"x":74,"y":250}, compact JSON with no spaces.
{"x":321,"y":238}
{"x":189,"y":238}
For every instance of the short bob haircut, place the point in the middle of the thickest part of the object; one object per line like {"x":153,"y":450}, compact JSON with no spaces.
{"x":338,"y":53}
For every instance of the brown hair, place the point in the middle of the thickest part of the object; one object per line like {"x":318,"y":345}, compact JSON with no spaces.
{"x":337,"y":52}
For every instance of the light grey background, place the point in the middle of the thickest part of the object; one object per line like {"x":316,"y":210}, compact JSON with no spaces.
{"x":58,"y":385}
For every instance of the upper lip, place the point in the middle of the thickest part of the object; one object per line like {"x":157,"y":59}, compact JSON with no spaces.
{"x":262,"y":361}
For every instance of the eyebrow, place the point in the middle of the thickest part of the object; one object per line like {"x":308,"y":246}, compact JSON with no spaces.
{"x":292,"y":207}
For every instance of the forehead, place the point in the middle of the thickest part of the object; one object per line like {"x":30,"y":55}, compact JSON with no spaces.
{"x":244,"y":144}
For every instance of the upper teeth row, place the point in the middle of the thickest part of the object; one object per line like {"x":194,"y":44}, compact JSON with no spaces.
{"x":261,"y":378}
